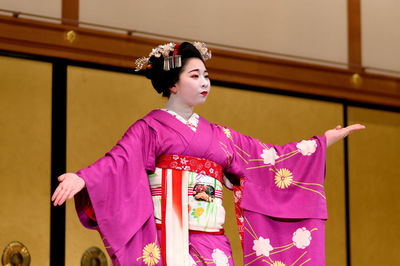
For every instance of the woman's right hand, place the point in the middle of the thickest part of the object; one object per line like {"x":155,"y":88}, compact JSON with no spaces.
{"x":70,"y":184}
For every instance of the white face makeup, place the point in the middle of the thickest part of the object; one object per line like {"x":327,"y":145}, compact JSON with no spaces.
{"x":193,"y":86}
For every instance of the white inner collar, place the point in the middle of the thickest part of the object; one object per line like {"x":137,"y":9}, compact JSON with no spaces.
{"x":192,"y":123}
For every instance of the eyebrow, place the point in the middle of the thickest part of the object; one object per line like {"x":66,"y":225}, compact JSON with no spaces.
{"x":196,"y":69}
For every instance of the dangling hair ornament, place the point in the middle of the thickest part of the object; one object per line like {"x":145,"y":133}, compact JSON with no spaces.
{"x":170,"y":62}
{"x":174,"y":60}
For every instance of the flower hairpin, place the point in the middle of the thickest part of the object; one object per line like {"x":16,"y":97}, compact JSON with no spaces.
{"x":170,"y":62}
{"x":204,"y":51}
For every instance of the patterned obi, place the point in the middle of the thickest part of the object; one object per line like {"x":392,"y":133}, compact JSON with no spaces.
{"x":204,"y":190}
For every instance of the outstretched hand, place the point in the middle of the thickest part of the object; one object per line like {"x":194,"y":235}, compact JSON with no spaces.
{"x":70,"y":184}
{"x":338,"y":133}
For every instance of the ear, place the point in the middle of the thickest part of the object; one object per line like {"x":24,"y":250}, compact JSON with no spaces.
{"x":173,"y":89}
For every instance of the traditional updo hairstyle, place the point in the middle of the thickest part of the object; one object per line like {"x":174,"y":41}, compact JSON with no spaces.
{"x":162,"y":79}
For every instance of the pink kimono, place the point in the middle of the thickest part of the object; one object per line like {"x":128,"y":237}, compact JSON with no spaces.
{"x":281,"y":204}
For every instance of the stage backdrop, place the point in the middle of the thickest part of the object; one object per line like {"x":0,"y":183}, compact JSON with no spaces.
{"x":103,"y":104}
{"x":25,"y":141}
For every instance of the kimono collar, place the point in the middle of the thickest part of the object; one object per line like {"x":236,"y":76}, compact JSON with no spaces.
{"x":192,"y":122}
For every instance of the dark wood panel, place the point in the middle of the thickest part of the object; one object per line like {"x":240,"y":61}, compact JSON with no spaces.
{"x":354,"y":34}
{"x":70,"y":12}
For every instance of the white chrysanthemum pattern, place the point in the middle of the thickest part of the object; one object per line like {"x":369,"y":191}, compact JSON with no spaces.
{"x":307,"y":147}
{"x":262,"y":246}
{"x":219,"y":257}
{"x":301,"y":238}
{"x":269,"y":156}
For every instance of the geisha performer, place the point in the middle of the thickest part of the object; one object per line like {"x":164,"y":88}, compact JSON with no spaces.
{"x":156,"y":197}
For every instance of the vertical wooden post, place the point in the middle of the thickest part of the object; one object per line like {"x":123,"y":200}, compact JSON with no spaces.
{"x":354,"y":35}
{"x":70,"y":12}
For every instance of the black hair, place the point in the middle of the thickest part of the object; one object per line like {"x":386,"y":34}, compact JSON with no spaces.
{"x":163,"y":80}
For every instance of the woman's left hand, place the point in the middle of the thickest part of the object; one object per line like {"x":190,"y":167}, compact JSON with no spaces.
{"x":338,"y":133}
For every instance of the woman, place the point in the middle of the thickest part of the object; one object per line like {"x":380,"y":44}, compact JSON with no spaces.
{"x":172,"y":159}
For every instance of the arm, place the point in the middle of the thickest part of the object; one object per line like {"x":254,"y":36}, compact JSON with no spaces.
{"x":115,"y":160}
{"x":338,"y":133}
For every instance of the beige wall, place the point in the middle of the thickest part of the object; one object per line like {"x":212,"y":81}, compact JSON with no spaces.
{"x":380,"y":34}
{"x":48,"y":8}
{"x":309,"y":28}
{"x":25,"y":139}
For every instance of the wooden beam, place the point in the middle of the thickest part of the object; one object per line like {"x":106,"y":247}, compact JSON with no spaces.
{"x":88,"y":45}
{"x":354,"y":35}
{"x":70,"y":12}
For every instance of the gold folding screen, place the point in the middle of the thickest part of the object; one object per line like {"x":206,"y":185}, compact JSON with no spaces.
{"x":374,"y":188}
{"x":25,"y":130}
{"x":103,"y":104}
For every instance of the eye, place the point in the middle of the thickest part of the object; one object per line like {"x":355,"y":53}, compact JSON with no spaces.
{"x":194,"y":76}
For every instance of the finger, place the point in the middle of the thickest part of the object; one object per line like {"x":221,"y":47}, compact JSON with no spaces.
{"x":59,"y":198}
{"x":355,"y":127}
{"x":56,"y":192}
{"x":63,"y":198}
{"x":61,"y":177}
{"x":338,"y":127}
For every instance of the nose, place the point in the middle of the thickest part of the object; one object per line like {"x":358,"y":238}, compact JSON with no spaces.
{"x":204,"y":82}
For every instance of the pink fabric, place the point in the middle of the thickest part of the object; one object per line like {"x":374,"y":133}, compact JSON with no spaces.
{"x":283,"y":182}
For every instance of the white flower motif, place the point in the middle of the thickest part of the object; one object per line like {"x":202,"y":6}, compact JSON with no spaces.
{"x":262,"y":246}
{"x":184,"y":161}
{"x":301,"y":238}
{"x":269,"y":156}
{"x":175,"y":157}
{"x":187,"y":168}
{"x":219,"y":257}
{"x":211,"y":170}
{"x":307,"y":147}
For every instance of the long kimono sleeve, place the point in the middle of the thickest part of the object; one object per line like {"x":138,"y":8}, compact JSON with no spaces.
{"x":289,"y":178}
{"x":282,"y":200}
{"x":117,"y":187}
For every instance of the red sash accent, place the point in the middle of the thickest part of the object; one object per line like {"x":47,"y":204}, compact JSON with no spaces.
{"x":237,"y":195}
{"x":174,"y":224}
{"x":177,"y":162}
{"x":192,"y":164}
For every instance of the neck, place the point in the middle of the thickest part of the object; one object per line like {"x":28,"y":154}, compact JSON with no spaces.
{"x":181,"y":109}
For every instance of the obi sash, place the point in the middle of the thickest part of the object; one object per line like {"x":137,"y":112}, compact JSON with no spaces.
{"x":174,"y":202}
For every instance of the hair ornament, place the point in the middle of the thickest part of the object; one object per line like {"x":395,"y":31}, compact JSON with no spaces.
{"x":204,"y":51}
{"x":170,"y":62}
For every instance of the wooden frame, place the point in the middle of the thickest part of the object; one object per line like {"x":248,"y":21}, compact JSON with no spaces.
{"x":354,"y":34}
{"x":87,"y":45}
{"x":70,"y":12}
